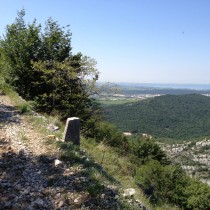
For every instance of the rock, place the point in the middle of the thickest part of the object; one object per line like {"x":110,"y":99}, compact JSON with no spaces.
{"x":8,"y":204}
{"x":26,"y":191}
{"x":103,"y":196}
{"x":18,"y":187}
{"x":51,"y":136}
{"x":129,"y":192}
{"x":15,"y":207}
{"x":39,"y":202}
{"x":61,"y":203}
{"x":52,"y":127}
{"x":57,"y":162}
{"x":58,"y":195}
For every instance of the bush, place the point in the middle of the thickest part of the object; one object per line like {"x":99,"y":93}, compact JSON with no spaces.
{"x":162,"y":183}
{"x":109,"y":134}
{"x":144,"y":150}
{"x":198,"y":196}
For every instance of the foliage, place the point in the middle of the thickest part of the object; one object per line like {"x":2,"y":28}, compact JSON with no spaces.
{"x":171,"y":185}
{"x":169,"y":116}
{"x":43,"y":69}
{"x":24,"y":107}
{"x":95,"y":189}
{"x":162,"y":183}
{"x":144,"y":150}
{"x":108,"y":134}
{"x":59,"y":79}
{"x":20,"y":45}
{"x":56,"y":42}
{"x":198,"y":196}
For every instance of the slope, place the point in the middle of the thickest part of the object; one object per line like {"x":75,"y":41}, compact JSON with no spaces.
{"x":38,"y":172}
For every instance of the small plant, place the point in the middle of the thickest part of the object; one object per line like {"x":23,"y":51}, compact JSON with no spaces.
{"x":24,"y":108}
{"x":22,"y":136}
{"x":95,"y":189}
{"x":55,"y":120}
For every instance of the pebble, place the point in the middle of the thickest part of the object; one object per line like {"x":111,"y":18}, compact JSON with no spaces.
{"x":57,"y":162}
{"x":129,"y":192}
{"x":61,"y":203}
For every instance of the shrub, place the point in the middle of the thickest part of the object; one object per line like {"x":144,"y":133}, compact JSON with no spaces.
{"x":162,"y":183}
{"x":109,"y":134}
{"x":144,"y":150}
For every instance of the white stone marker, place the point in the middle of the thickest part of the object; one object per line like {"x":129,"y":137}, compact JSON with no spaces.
{"x":72,"y":130}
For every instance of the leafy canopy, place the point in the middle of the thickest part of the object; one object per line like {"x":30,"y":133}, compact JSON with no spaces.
{"x":43,"y":68}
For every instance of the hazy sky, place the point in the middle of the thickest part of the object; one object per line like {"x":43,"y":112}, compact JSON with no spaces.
{"x":147,"y":41}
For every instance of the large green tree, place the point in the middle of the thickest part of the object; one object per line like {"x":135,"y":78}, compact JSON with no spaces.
{"x":20,"y":45}
{"x":43,"y":68}
{"x":62,"y":88}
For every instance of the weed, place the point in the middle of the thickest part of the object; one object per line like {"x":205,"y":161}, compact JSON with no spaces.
{"x":56,"y":121}
{"x":24,"y":108}
{"x":95,"y":189}
{"x":22,"y":136}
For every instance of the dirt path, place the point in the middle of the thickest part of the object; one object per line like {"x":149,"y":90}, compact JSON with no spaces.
{"x":23,"y":183}
{"x":17,"y":131}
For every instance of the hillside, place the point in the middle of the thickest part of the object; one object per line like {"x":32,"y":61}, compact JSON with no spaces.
{"x":168,"y":116}
{"x":41,"y":172}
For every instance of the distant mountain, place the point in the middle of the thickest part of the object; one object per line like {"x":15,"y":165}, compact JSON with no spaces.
{"x":169,"y":116}
{"x":166,"y":85}
{"x":163,"y":91}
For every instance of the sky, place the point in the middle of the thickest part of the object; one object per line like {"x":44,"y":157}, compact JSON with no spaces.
{"x":140,"y":41}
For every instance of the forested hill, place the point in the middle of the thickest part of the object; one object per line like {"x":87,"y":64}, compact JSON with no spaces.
{"x":170,"y":116}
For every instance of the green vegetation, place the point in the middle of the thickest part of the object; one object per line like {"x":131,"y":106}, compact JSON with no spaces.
{"x":171,"y":185}
{"x":40,"y":66}
{"x":115,"y":102}
{"x":129,"y":90}
{"x":169,"y":116}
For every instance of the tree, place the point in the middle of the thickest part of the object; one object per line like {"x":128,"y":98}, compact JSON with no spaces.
{"x":56,"y":42}
{"x":110,"y":135}
{"x":198,"y":195}
{"x":44,"y":69}
{"x":145,"y":150}
{"x":60,"y":89}
{"x":20,"y":45}
{"x":162,"y":183}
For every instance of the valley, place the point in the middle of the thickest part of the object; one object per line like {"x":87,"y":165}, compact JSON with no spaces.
{"x":180,"y":123}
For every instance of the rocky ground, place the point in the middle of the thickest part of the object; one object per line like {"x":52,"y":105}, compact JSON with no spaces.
{"x":33,"y":177}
